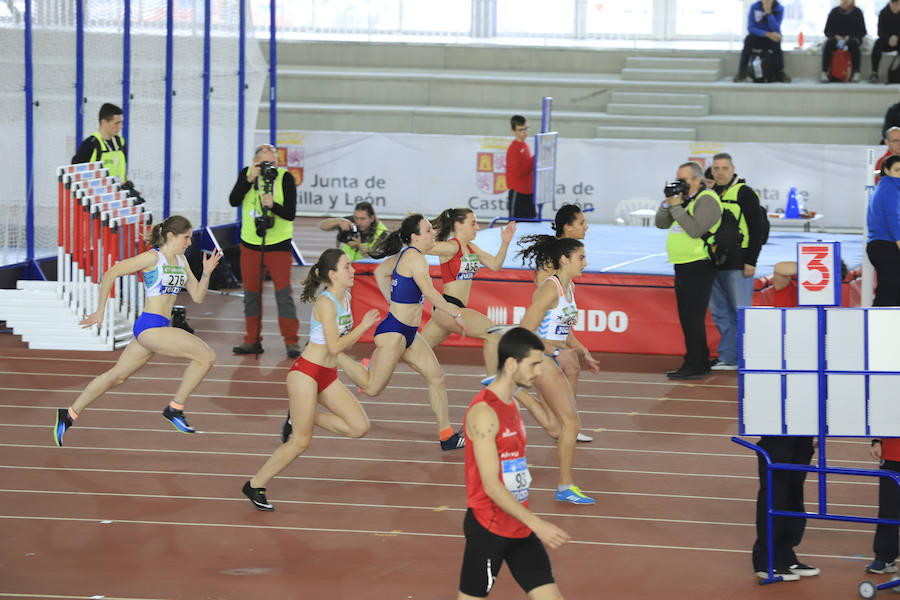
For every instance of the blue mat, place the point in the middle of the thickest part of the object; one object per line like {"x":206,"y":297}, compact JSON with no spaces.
{"x":642,"y":250}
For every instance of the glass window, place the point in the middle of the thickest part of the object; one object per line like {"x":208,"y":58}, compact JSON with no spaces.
{"x":451,"y":16}
{"x":704,"y":18}
{"x":536,"y":17}
{"x":623,"y":17}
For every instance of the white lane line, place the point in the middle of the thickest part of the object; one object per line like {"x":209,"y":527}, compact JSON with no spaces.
{"x":57,"y":597}
{"x":340,"y":480}
{"x":633,"y":260}
{"x":460,"y":509}
{"x":455,"y":464}
{"x":392,"y":533}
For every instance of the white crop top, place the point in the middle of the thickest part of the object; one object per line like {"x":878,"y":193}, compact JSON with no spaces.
{"x":560,"y":319}
{"x":165,"y":278}
{"x":344,"y":320}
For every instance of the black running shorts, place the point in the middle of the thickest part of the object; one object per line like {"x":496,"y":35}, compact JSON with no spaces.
{"x":485,"y":552}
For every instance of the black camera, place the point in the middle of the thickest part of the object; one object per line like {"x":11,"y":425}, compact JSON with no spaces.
{"x":268,"y":171}
{"x":676,"y":187}
{"x":263,"y":223}
{"x":348,"y":236}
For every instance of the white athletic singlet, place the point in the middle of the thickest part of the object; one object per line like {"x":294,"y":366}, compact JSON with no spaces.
{"x":165,"y":278}
{"x":344,"y":320}
{"x":560,"y":319}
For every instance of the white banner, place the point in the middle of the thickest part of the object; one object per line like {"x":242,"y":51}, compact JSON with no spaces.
{"x":400,"y":173}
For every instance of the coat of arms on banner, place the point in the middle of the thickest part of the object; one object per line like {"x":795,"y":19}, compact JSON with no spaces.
{"x":490,"y":169}
{"x":290,"y":155}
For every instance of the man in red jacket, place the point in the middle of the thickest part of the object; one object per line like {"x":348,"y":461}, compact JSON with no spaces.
{"x":520,"y":171}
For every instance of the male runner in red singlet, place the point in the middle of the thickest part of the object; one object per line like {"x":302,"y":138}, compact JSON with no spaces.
{"x":498,"y":525}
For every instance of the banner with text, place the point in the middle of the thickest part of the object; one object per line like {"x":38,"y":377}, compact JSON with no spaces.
{"x":400,"y":173}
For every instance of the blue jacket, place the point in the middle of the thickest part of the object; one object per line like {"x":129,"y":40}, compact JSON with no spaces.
{"x":759,"y":23}
{"x":883,"y":216}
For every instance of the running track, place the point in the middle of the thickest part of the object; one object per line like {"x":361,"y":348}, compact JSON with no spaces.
{"x":131,"y":509}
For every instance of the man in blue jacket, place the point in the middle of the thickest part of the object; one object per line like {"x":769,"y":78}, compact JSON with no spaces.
{"x":764,"y":26}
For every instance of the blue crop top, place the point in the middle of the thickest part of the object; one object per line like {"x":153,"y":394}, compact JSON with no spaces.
{"x":404,"y":290}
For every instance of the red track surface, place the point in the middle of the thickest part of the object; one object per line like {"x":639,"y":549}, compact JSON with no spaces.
{"x":131,"y":509}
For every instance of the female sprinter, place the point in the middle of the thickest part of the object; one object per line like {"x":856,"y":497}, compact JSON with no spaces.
{"x":404,"y":280}
{"x":312,"y":379}
{"x":165,"y":274}
{"x":552,"y":315}
{"x":568,"y":223}
{"x":458,"y":267}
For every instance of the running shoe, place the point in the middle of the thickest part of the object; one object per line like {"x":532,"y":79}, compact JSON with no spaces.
{"x":63,"y":422}
{"x":257,"y":496}
{"x":574,"y":495}
{"x":499,"y":329}
{"x":176,"y":418}
{"x":803,"y":570}
{"x":881,"y":566}
{"x":583,"y":437}
{"x":488,"y":380}
{"x":454,"y":442}
{"x":286,"y":430}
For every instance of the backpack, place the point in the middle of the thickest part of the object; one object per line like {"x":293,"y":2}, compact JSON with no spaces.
{"x":762,"y":65}
{"x":726,"y":241}
{"x":841,"y":66}
{"x":893,"y":73}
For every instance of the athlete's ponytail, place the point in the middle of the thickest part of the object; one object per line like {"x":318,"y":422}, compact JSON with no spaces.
{"x":176,"y":224}
{"x":539,"y":251}
{"x":318,"y":273}
{"x":443,"y":223}
{"x":391,"y":244}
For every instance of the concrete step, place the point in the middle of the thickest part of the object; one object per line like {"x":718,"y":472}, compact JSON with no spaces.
{"x":645,"y":133}
{"x":627,"y":97}
{"x":668,"y":110}
{"x":673,"y":62}
{"x":698,"y":75}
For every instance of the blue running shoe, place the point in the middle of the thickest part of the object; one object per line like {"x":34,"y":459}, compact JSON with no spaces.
{"x":488,"y":380}
{"x":287,"y":429}
{"x":63,"y":422}
{"x":176,"y":418}
{"x":574,"y":495}
{"x":881,"y":566}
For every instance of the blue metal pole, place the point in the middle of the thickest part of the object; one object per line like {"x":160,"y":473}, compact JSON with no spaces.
{"x":167,"y":145}
{"x":126,"y":68}
{"x":823,"y":427}
{"x":204,"y":185}
{"x":29,"y":140}
{"x":79,"y":72}
{"x":242,"y":76}
{"x":273,"y":62}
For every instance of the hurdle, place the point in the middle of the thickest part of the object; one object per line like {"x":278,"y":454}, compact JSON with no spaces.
{"x":99,"y":223}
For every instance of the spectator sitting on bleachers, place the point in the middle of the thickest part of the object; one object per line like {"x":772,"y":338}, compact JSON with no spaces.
{"x":764,"y":26}
{"x":845,"y":28}
{"x":891,"y":119}
{"x":888,"y":35}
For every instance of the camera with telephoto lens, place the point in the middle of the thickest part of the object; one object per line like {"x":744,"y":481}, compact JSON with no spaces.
{"x":348,"y":236}
{"x":676,"y":187}
{"x":268,"y":171}
{"x":263,"y":223}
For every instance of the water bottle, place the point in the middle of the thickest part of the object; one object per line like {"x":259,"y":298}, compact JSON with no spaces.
{"x":841,"y":43}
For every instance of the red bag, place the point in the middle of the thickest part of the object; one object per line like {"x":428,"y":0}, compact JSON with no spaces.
{"x":841,"y":66}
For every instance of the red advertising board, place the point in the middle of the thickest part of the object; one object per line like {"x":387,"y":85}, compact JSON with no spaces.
{"x":617,"y":313}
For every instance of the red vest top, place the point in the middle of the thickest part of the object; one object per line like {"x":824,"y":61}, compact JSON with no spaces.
{"x":513,"y":469}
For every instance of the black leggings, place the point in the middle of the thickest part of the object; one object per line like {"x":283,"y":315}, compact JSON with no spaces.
{"x":885,"y":257}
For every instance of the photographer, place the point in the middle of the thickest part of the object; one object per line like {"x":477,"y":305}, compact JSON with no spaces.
{"x":688,"y":212}
{"x":358,"y":233}
{"x":267,"y":196}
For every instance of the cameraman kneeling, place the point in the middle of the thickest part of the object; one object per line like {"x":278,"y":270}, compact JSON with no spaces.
{"x":358,"y":233}
{"x":267,"y":196}
{"x":688,"y":212}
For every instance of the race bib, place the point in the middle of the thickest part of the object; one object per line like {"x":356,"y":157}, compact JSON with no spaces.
{"x":173,"y":279}
{"x":468,"y":266}
{"x":345,"y":324}
{"x":516,"y":477}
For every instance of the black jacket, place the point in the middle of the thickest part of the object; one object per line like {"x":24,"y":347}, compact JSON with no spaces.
{"x":851,"y":23}
{"x":888,"y":23}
